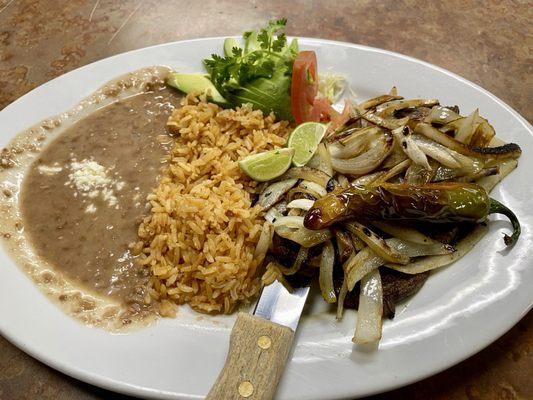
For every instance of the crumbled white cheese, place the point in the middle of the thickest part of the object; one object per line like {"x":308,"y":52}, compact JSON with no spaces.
{"x":88,"y":175}
{"x":93,"y":180}
{"x":109,"y":196}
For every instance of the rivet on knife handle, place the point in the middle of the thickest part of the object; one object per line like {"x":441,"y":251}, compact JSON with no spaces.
{"x":257,"y":356}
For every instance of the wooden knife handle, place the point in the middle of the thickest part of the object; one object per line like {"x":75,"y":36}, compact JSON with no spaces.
{"x":256,"y":359}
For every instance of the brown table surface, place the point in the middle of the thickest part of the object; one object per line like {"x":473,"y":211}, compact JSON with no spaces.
{"x":488,"y":42}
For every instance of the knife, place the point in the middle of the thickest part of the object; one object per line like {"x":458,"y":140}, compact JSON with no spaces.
{"x":260,"y":345}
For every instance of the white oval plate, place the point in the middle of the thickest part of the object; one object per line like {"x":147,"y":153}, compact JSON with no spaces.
{"x":460,"y":309}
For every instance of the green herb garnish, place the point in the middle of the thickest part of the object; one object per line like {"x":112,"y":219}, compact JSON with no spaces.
{"x":260,"y":73}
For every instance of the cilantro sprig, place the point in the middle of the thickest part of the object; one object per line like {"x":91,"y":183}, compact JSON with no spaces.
{"x":258,"y":73}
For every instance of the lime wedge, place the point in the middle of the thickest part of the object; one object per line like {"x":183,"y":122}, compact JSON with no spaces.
{"x":305,"y":139}
{"x":268,"y":165}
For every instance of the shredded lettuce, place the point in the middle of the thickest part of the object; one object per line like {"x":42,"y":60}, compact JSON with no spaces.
{"x":331,"y":86}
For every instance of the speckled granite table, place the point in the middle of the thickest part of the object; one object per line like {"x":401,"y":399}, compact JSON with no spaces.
{"x":488,"y":42}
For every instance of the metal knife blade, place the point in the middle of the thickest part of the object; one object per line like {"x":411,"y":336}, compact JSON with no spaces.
{"x":278,"y":305}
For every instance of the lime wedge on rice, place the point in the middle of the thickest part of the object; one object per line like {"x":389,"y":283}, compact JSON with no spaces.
{"x":305,"y":139}
{"x":268,"y":165}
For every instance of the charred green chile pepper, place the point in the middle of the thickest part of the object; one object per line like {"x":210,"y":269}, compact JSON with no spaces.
{"x":434,"y":202}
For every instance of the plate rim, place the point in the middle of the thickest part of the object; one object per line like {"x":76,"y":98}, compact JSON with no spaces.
{"x":454,"y":75}
{"x":135,"y":390}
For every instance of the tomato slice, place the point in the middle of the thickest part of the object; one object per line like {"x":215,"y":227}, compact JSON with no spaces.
{"x":323,"y":111}
{"x":339,"y":119}
{"x":304,"y":86}
{"x":305,"y":106}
